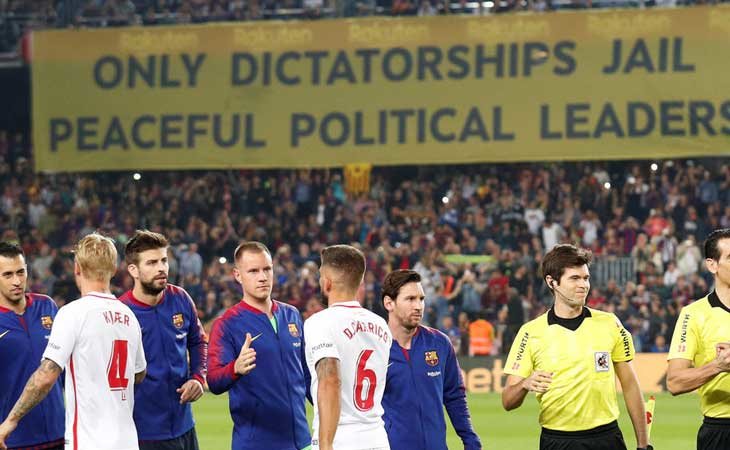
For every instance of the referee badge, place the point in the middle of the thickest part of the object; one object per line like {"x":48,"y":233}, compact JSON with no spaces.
{"x":601,"y":361}
{"x":432,"y":358}
{"x":47,"y":322}
{"x":293,"y":330}
{"x":177,"y":320}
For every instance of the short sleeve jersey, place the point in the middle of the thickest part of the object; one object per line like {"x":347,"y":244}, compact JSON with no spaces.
{"x":361,"y":341}
{"x":98,"y":341}
{"x":700,"y":326}
{"x":582,"y":394}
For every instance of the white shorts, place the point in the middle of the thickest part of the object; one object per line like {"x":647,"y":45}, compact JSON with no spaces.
{"x":351,"y":437}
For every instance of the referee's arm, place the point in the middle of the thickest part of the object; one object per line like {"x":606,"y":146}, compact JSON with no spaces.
{"x":682,"y":377}
{"x":517,"y":388}
{"x":634,"y":400}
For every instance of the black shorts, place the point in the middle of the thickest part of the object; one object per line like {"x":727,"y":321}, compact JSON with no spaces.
{"x":605,"y":437}
{"x":714,"y":434}
{"x":188,"y":441}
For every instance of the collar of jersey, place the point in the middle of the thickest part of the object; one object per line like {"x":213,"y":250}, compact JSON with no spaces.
{"x":715,"y":301}
{"x":250,"y":308}
{"x":28,"y":302}
{"x":350,"y":304}
{"x":135,"y":301}
{"x":100,"y":295}
{"x":571,"y":324}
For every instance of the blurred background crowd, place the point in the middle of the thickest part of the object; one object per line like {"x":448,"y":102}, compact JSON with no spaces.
{"x":475,"y":233}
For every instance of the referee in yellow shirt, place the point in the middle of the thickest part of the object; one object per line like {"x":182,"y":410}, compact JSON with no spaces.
{"x":570,"y":356}
{"x":699,"y":356}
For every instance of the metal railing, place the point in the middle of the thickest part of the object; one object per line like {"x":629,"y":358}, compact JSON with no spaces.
{"x":617,"y":268}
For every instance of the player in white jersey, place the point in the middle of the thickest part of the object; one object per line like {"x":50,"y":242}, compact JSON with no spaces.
{"x":347,"y":350}
{"x":98,"y":341}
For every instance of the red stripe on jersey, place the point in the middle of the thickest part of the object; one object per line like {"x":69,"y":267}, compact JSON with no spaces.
{"x":346,"y":306}
{"x":76,"y":407}
{"x":21,"y":319}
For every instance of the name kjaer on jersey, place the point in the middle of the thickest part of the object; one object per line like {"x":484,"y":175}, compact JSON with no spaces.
{"x":114,"y":317}
{"x":366,"y":327}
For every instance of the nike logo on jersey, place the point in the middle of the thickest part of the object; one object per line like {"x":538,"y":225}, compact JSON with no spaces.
{"x":3,"y":334}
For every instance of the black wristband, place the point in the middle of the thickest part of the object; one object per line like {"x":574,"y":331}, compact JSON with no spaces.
{"x":648,"y":447}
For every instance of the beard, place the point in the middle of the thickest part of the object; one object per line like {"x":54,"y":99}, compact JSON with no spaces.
{"x":410,"y":323}
{"x":153,"y":287}
{"x":14,"y":298}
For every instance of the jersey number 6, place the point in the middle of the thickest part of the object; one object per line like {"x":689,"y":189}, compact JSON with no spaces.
{"x":117,"y":367}
{"x":365,"y":383}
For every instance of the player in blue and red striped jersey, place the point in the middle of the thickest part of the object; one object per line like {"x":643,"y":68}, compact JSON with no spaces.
{"x":171,"y":332}
{"x":25,"y":324}
{"x":257,"y":355}
{"x":423,"y":374}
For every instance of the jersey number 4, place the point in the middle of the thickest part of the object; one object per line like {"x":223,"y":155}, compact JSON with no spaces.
{"x":117,"y":367}
{"x":365,"y":383}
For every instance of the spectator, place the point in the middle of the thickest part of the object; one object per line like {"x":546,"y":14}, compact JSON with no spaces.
{"x":552,"y":233}
{"x":191,"y":263}
{"x":452,"y":331}
{"x":688,"y":256}
{"x":660,"y":345}
{"x":481,"y":337}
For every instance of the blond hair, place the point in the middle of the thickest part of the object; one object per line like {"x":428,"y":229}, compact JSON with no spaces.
{"x":97,"y":257}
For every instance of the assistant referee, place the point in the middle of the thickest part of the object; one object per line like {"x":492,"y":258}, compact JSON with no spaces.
{"x":699,"y":356}
{"x":570,"y":356}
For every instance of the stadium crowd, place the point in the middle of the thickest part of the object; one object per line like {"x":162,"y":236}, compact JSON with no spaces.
{"x":476,"y":234}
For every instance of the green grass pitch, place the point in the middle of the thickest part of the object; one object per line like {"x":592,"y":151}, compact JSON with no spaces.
{"x":677,"y":421}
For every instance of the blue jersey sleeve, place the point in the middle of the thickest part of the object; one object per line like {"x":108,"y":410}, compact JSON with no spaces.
{"x":305,"y":367}
{"x":197,"y":346}
{"x":221,"y":359}
{"x":455,"y":402}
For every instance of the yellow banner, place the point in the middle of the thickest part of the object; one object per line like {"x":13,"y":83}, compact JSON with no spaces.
{"x":568,"y":86}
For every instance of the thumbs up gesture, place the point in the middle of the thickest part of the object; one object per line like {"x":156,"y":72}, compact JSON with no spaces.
{"x":246,"y":360}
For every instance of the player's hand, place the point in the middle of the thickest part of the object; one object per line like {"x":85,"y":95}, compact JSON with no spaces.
{"x":246,"y":360}
{"x":721,"y":346}
{"x":539,"y":381}
{"x":6,"y":428}
{"x":723,"y":357}
{"x":190,"y":391}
